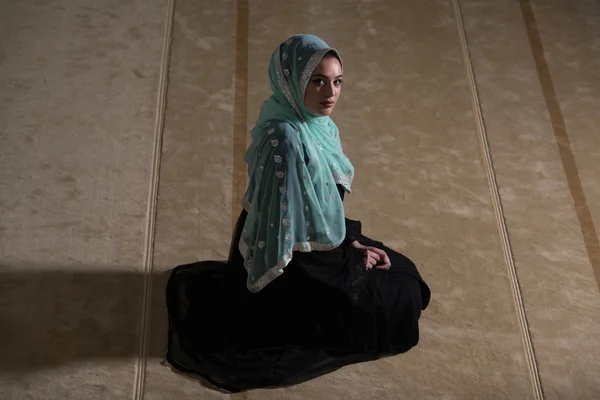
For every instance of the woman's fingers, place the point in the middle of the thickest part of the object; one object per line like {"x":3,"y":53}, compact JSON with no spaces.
{"x":370,"y":260}
{"x":377,"y":258}
{"x":383,"y":266}
{"x":381,"y":257}
{"x":377,"y":251}
{"x":386,"y":260}
{"x":382,"y":254}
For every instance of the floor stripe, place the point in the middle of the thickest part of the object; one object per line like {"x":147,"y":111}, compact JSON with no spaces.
{"x":240,"y":115}
{"x":586,"y":223}
{"x":240,"y":109}
{"x":508,"y":254}
{"x":140,"y":370}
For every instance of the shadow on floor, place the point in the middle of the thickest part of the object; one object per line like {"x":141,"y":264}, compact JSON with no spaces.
{"x":51,"y":316}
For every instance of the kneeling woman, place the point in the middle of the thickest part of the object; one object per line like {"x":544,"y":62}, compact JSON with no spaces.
{"x":303,"y":292}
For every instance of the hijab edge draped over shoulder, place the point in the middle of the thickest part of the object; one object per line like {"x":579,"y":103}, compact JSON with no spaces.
{"x":294,"y":162}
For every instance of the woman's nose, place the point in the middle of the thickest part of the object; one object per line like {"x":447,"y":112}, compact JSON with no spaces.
{"x":329,"y":90}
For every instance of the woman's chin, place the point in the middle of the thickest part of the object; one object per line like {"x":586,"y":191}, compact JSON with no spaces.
{"x":324,"y":112}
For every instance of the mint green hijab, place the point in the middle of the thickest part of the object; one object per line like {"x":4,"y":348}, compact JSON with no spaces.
{"x":294,"y":162}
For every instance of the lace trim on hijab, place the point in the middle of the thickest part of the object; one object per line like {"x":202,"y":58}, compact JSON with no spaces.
{"x":283,"y":85}
{"x":343,"y":180}
{"x":276,"y":271}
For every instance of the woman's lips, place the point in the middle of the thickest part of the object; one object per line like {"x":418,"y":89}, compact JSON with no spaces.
{"x":327,"y":104}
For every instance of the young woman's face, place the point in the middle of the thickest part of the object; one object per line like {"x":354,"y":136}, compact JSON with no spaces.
{"x":324,"y":87}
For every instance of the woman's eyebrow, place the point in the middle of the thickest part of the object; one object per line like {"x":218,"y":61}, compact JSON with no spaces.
{"x":321,"y":75}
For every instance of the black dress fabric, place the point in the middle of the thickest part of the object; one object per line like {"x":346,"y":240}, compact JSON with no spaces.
{"x":326,"y":311}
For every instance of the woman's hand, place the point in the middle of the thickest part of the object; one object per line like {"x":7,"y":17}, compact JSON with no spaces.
{"x":374,"y":257}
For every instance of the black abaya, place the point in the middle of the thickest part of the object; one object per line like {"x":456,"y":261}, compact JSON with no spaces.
{"x":326,"y":311}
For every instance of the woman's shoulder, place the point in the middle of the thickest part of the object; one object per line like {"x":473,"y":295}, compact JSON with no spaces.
{"x":280,"y":128}
{"x":282,"y":132}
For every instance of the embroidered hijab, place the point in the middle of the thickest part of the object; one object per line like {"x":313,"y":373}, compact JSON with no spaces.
{"x":294,"y":162}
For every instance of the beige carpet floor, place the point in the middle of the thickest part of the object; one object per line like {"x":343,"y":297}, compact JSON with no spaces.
{"x":473,"y":127}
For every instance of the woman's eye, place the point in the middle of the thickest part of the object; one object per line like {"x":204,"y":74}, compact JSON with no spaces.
{"x":319,"y":81}
{"x":338,"y":82}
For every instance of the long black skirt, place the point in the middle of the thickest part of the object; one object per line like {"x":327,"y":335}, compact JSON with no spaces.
{"x":326,"y":311}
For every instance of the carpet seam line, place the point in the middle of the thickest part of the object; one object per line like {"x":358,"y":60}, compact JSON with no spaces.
{"x":140,"y":371}
{"x":499,"y":213}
